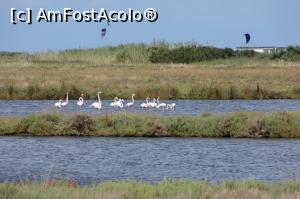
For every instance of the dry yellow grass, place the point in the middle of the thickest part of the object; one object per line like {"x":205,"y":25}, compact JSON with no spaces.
{"x":52,"y":76}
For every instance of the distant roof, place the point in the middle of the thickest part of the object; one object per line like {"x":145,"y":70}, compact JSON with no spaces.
{"x":252,"y":47}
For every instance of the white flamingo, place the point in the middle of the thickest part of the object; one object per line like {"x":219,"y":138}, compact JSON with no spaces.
{"x":160,"y":105}
{"x":145,"y":105}
{"x":171,"y":106}
{"x":119,"y":103}
{"x":153,"y":104}
{"x":130,"y":104}
{"x":80,"y":101}
{"x":114,"y":103}
{"x":97,"y":105}
{"x":58,"y":104}
{"x":63,"y":104}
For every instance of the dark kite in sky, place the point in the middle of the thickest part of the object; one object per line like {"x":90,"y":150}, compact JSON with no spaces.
{"x":103,"y":32}
{"x":248,"y":37}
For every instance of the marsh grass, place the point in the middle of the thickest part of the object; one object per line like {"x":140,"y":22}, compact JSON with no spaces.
{"x":166,"y":81}
{"x":167,"y":189}
{"x":235,"y":125}
{"x":122,"y":70}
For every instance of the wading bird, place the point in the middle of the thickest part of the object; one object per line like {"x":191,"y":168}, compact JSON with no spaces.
{"x":66,"y":102}
{"x":130,"y":104}
{"x":80,"y":101}
{"x":58,"y":104}
{"x":152,"y":104}
{"x":145,"y":105}
{"x":119,"y":103}
{"x":97,"y":105}
{"x":114,"y":103}
{"x":171,"y":106}
{"x":161,"y":105}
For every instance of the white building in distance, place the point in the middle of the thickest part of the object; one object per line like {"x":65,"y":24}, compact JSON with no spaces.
{"x":263,"y":49}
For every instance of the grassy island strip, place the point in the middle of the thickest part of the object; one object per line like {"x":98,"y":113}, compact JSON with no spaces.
{"x":236,"y":125}
{"x":180,"y":189}
{"x":190,"y":72}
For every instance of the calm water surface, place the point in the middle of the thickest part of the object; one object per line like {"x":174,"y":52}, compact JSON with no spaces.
{"x":88,"y":160}
{"x":184,"y":107}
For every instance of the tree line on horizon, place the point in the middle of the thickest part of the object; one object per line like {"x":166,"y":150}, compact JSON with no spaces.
{"x":194,"y":53}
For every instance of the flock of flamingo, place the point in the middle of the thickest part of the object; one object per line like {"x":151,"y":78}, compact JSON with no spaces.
{"x":118,"y":103}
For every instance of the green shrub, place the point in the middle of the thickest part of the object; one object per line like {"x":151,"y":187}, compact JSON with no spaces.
{"x":82,"y":124}
{"x":160,"y":55}
{"x":45,"y":125}
{"x":191,"y":53}
{"x":182,"y":126}
{"x":24,"y":124}
{"x":292,"y":53}
{"x":283,"y":125}
{"x":155,"y":128}
{"x":258,"y":128}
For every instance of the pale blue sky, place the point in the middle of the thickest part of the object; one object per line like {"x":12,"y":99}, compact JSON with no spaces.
{"x":219,"y":23}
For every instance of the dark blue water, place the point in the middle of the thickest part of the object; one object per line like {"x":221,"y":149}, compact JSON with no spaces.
{"x":184,"y":107}
{"x":88,"y":160}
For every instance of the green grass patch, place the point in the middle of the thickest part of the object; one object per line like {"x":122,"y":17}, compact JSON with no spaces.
{"x":167,"y":189}
{"x":235,"y":125}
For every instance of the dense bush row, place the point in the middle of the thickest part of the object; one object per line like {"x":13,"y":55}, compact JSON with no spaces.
{"x":188,"y":54}
{"x":249,"y":125}
{"x":195,"y":53}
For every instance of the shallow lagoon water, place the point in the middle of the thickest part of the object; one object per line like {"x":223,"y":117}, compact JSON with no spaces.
{"x":184,"y":107}
{"x":88,"y":160}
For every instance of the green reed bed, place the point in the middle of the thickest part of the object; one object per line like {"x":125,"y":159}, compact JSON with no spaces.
{"x":236,"y":125}
{"x":167,"y":189}
{"x":197,"y":91}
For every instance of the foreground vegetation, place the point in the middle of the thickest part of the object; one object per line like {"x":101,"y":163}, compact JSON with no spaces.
{"x":237,"y":125}
{"x":123,"y":70}
{"x":180,"y":189}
